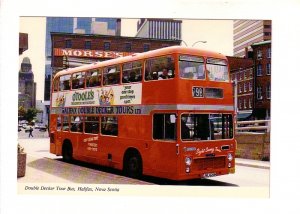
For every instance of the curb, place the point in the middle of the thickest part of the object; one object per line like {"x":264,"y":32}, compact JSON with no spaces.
{"x":253,"y":165}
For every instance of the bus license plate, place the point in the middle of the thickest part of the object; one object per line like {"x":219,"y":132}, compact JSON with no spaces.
{"x":208,"y":175}
{"x":197,"y":92}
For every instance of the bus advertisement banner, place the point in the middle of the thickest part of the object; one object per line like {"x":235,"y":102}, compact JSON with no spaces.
{"x":113,"y":95}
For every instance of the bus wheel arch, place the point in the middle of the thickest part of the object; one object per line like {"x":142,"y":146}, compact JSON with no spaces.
{"x":67,"y":151}
{"x":133,"y":163}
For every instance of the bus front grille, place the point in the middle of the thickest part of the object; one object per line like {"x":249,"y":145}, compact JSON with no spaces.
{"x":209,"y":163}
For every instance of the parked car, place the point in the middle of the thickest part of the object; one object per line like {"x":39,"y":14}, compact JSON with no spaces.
{"x":27,"y":128}
{"x":43,"y":128}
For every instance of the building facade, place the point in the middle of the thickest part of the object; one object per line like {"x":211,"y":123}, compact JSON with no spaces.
{"x":262,"y":66}
{"x":23,"y":42}
{"x":72,"y":50}
{"x":27,"y":86}
{"x":242,"y":75}
{"x":247,"y":32}
{"x":159,"y":29}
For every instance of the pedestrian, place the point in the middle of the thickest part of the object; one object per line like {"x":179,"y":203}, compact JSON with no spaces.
{"x":30,"y":131}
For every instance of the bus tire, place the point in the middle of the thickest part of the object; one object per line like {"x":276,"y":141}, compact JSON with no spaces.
{"x":67,"y":152}
{"x":133,"y":165}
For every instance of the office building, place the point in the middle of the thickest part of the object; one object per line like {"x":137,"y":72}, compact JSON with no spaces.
{"x":247,"y":32}
{"x":159,"y":29}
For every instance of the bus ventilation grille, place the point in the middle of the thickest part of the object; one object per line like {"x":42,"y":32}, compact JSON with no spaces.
{"x":209,"y":163}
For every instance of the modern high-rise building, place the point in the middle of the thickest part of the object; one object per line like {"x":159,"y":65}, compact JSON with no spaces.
{"x":247,"y":32}
{"x":159,"y":29}
{"x":82,"y":25}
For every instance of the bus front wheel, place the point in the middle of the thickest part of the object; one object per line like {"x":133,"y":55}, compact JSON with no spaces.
{"x":67,"y":152}
{"x":133,"y":165}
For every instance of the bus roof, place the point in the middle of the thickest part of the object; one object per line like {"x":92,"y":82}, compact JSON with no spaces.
{"x":138,"y":56}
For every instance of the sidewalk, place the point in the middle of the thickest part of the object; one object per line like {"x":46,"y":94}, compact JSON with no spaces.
{"x":252,"y":163}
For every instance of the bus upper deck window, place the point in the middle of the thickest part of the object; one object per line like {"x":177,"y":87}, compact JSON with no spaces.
{"x":78,"y":80}
{"x":132,"y":72}
{"x":160,"y":68}
{"x":191,"y":67}
{"x":217,"y":70}
{"x":111,"y":75}
{"x":93,"y":78}
{"x":65,"y":82}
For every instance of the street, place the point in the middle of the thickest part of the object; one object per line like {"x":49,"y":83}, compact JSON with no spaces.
{"x":43,"y":167}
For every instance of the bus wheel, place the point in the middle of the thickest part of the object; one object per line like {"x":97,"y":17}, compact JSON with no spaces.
{"x":67,"y":152}
{"x":133,"y":165}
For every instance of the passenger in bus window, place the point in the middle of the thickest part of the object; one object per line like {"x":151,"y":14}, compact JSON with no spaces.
{"x":75,"y":84}
{"x":165,"y":74}
{"x":66,"y":85}
{"x":132,"y":77}
{"x":154,"y":76}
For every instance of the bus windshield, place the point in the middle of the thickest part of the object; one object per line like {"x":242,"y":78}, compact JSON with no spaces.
{"x":195,"y":127}
{"x":191,"y":67}
{"x":217,"y":70}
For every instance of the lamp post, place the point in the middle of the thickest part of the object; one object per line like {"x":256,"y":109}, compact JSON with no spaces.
{"x":187,"y":44}
{"x":198,"y":42}
{"x":173,"y":37}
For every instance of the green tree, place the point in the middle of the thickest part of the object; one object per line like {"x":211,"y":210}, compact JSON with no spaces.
{"x":31,"y":114}
{"x":21,"y":112}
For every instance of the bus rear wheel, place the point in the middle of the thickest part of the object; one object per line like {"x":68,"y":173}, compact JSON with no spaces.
{"x":67,"y":152}
{"x":133,"y":165}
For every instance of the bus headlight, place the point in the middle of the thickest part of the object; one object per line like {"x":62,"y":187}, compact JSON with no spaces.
{"x":188,"y":161}
{"x":229,"y":156}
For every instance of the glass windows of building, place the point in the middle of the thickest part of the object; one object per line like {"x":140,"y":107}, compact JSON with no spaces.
{"x":84,"y":23}
{"x":106,"y":46}
{"x":240,"y":103}
{"x":259,"y":70}
{"x":269,"y":53}
{"x":68,"y":43}
{"x":146,"y":47}
{"x":268,"y":91}
{"x":245,"y":86}
{"x":268,"y":68}
{"x":88,"y":45}
{"x":250,"y":86}
{"x":245,"y":75}
{"x":259,"y":54}
{"x":245,"y":103}
{"x":240,"y":88}
{"x":128,"y":47}
{"x":259,"y":93}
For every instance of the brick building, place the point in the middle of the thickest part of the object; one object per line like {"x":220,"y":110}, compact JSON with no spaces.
{"x":71,"y":50}
{"x":242,"y":73}
{"x":23,"y":42}
{"x":262,"y":67}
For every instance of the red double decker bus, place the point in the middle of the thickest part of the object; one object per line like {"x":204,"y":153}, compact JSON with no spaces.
{"x":166,"y":113}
